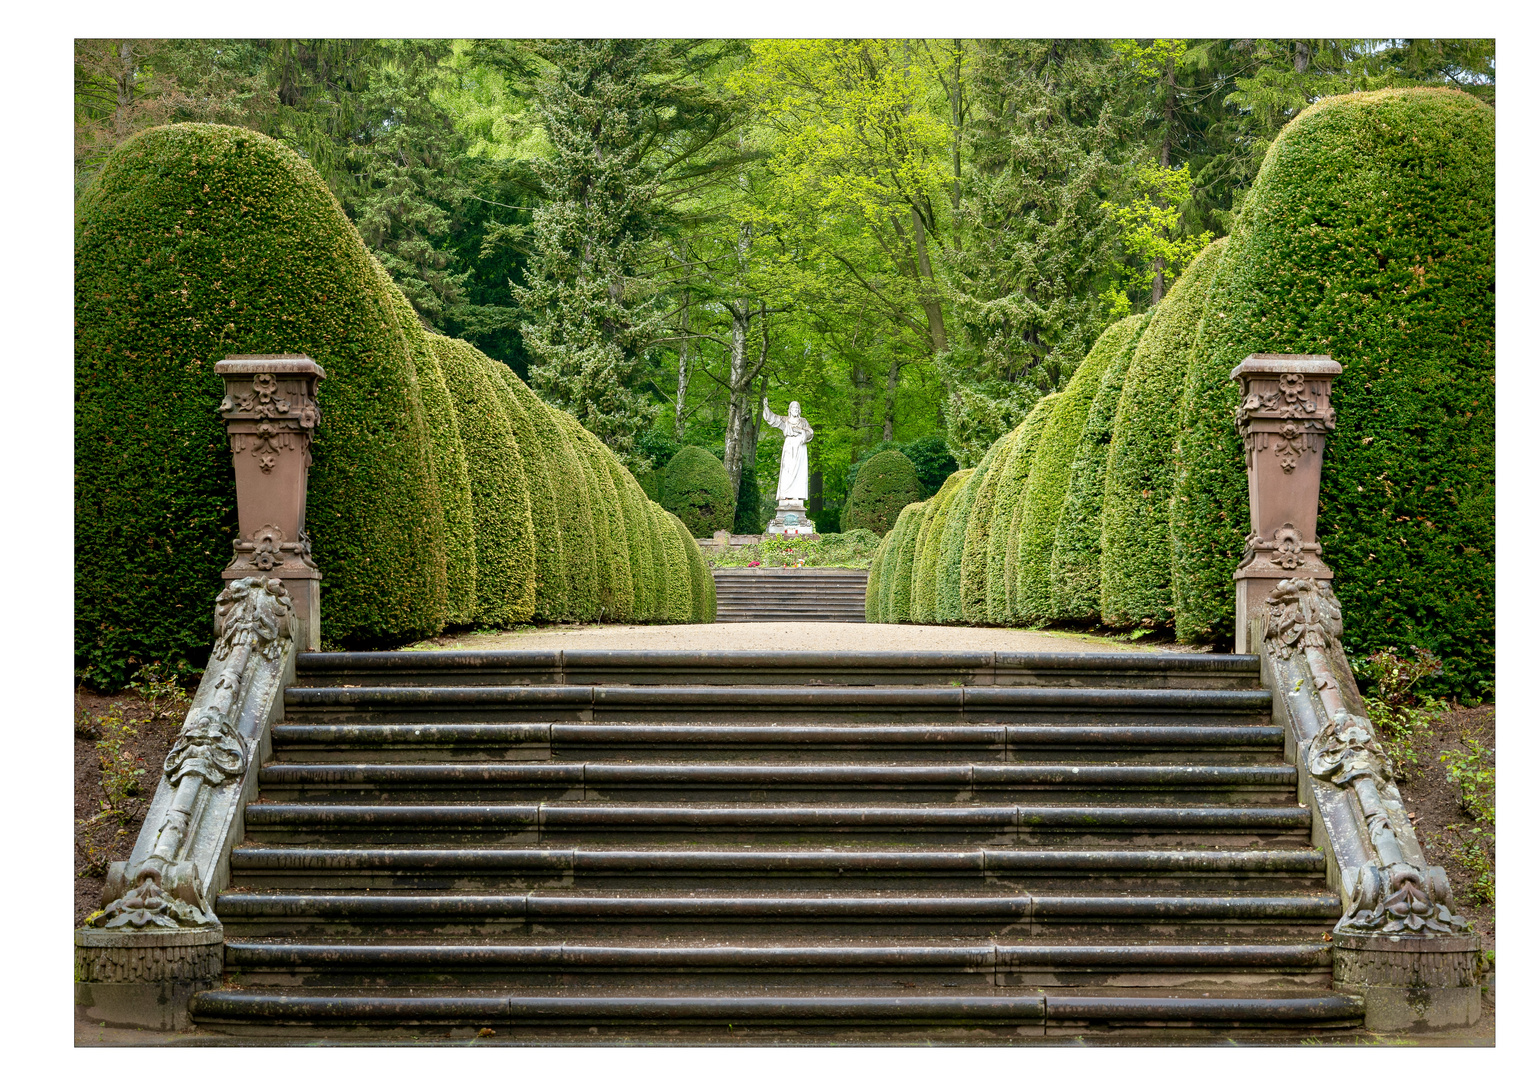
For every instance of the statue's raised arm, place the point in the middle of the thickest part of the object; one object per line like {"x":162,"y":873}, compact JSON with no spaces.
{"x":773,"y":419}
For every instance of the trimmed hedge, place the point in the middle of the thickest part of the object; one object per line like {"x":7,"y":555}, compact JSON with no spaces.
{"x":885,"y":484}
{"x":1046,"y":489}
{"x":930,"y":544}
{"x":698,"y":491}
{"x":1135,"y":571}
{"x":194,"y":242}
{"x":442,"y":489}
{"x":978,"y":532}
{"x":447,"y":457}
{"x":579,"y":600}
{"x":1369,"y":235}
{"x":679,"y":603}
{"x":1074,"y":588}
{"x":900,"y":595}
{"x":702,"y":584}
{"x":873,"y":581}
{"x":551,"y":593}
{"x":501,"y":507}
{"x":1008,"y":530}
{"x":952,"y":545}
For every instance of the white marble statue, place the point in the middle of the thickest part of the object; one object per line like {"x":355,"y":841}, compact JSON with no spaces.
{"x":793,"y":471}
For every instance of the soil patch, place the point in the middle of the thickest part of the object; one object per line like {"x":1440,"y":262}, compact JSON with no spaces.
{"x":1446,"y":832}
{"x":106,"y":823}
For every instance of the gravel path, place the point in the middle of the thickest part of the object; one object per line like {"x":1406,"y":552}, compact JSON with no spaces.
{"x":805,"y":636}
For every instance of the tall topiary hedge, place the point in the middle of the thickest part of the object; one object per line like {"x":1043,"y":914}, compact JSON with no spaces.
{"x":1074,"y":589}
{"x":1045,"y":490}
{"x":873,"y":580}
{"x":1008,"y":527}
{"x":1368,"y":235}
{"x":930,"y":539}
{"x":447,"y":457}
{"x":194,"y":242}
{"x":900,"y":595}
{"x":617,"y":593}
{"x":551,"y":593}
{"x":679,"y":603}
{"x":888,"y":576}
{"x":698,"y":491}
{"x":702,"y":585}
{"x":503,"y":531}
{"x":1135,"y":570}
{"x":979,"y":531}
{"x":952,"y":545}
{"x":885,"y":484}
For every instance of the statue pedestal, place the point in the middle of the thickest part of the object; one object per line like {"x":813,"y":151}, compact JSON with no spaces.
{"x":790,"y":519}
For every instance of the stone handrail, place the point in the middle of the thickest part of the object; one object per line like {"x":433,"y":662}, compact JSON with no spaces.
{"x":1399,"y":942}
{"x":157,"y":939}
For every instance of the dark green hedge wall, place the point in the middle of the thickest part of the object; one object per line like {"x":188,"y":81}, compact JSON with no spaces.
{"x":1075,"y":554}
{"x":501,"y":506}
{"x":873,"y":581}
{"x":698,"y":491}
{"x":1135,"y":571}
{"x":952,"y":545}
{"x":194,"y":242}
{"x":1046,"y":488}
{"x":1369,"y":235}
{"x":885,"y":484}
{"x":679,"y":603}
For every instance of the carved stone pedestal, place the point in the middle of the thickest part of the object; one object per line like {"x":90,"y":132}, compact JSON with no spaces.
{"x":271,"y":410}
{"x":144,"y":979}
{"x":790,"y":519}
{"x":1283,"y":419}
{"x":1409,"y":982}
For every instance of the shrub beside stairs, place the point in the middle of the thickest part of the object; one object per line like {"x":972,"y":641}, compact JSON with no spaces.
{"x":776,"y":846}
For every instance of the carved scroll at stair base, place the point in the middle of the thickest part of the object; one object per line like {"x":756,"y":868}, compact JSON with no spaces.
{"x":1389,"y":891}
{"x":168,"y":882}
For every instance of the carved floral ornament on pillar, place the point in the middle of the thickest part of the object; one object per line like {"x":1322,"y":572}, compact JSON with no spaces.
{"x":1389,"y":894}
{"x":253,"y":621}
{"x":265,"y":403}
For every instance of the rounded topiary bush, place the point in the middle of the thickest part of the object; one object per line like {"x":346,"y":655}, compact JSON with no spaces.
{"x":1045,"y":489}
{"x":194,"y":242}
{"x":1135,"y":572}
{"x":930,"y":543}
{"x":698,"y":491}
{"x":1008,"y":527}
{"x":1369,"y":235}
{"x":932,"y":461}
{"x":900,"y":595}
{"x":978,"y":531}
{"x":501,"y":507}
{"x":1074,"y":589}
{"x":885,"y":484}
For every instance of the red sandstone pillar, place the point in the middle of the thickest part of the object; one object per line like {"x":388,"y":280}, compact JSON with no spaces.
{"x":1283,"y":419}
{"x":270,"y":408}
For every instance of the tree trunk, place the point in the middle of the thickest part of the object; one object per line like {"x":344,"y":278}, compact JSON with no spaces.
{"x":124,"y":89}
{"x":932,"y":309}
{"x":684,"y":369}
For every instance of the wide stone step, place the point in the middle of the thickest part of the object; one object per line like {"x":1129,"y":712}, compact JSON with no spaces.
{"x":332,"y":740}
{"x":998,"y":1015}
{"x":562,"y":821}
{"x":1119,"y":669}
{"x":786,"y":783}
{"x":798,"y":704}
{"x":276,"y":914}
{"x":457,"y":868}
{"x":824,"y":965}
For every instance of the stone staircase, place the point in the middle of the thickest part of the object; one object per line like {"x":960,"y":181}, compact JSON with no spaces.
{"x":757,"y":594}
{"x":778,"y":847}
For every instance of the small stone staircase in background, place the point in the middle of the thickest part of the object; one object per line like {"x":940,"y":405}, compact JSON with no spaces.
{"x":778,"y":847}
{"x":759,"y":594}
